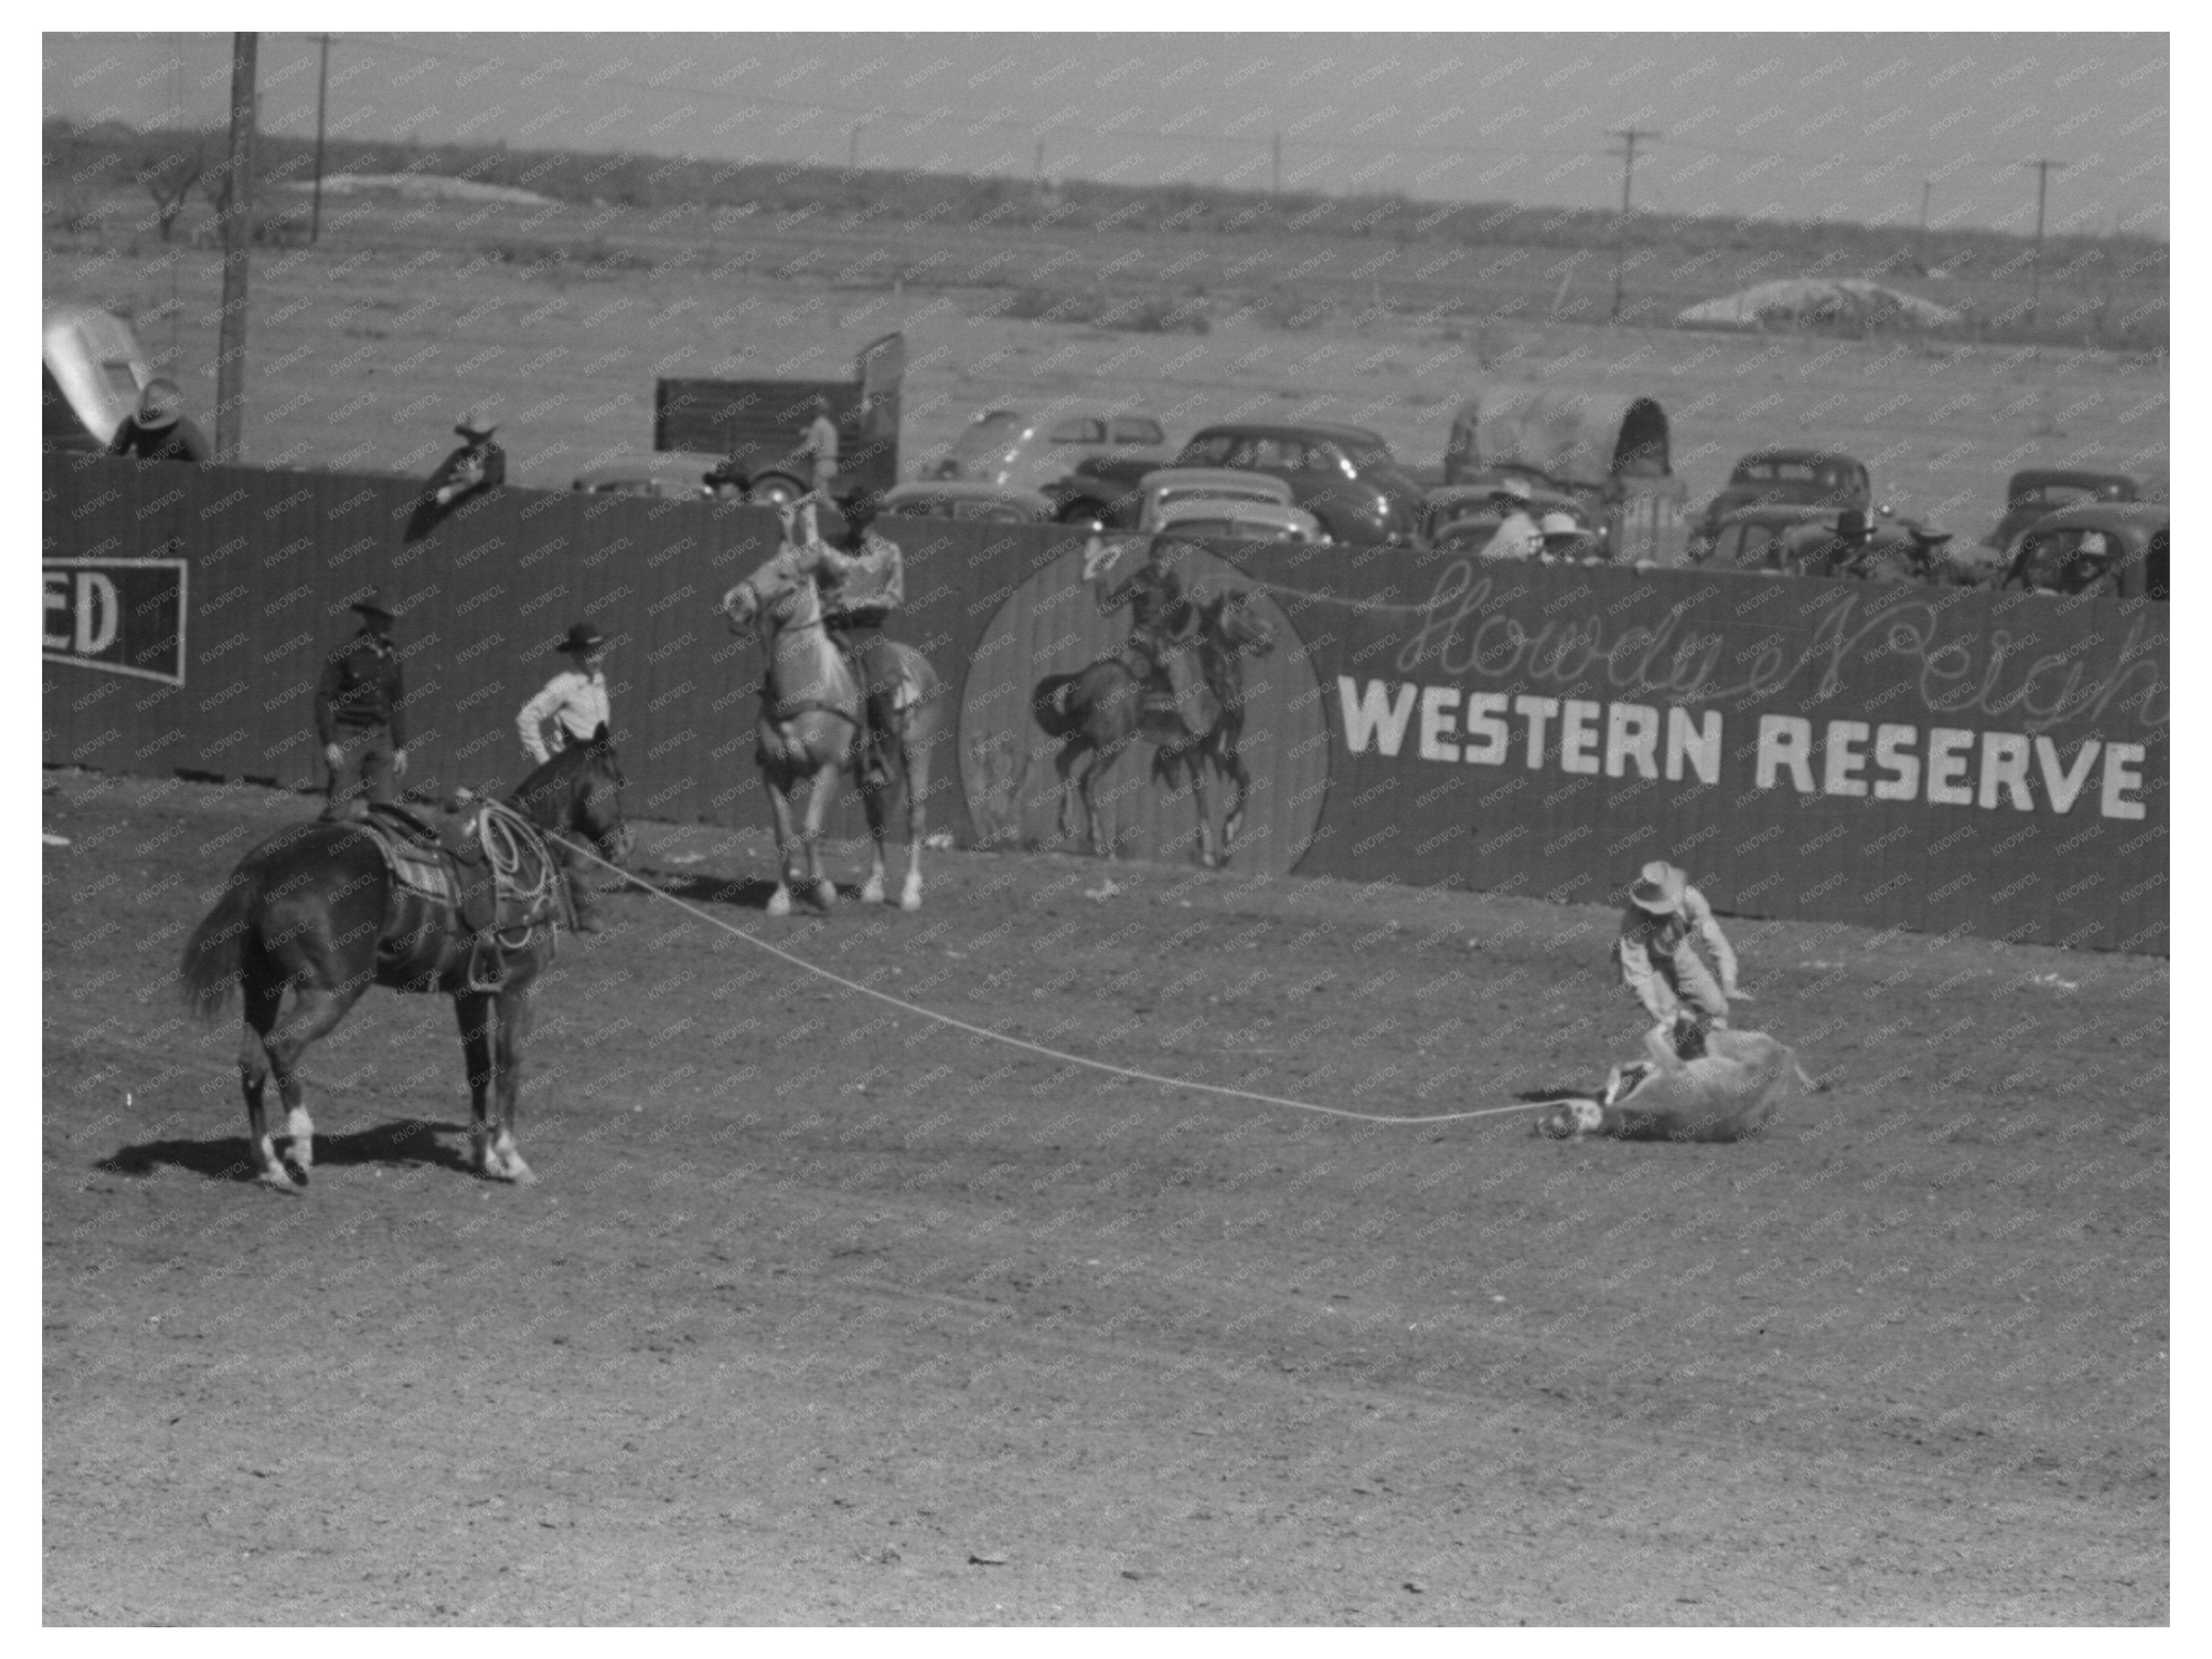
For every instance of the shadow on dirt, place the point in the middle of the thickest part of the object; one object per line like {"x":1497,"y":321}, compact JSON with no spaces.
{"x":746,"y":892}
{"x":404,"y":1141}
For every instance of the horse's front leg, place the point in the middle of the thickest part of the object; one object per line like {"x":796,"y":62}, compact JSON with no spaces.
{"x":1241,"y":777}
{"x":1193,"y":764}
{"x":809,"y":835}
{"x":477,"y":1016}
{"x":515,"y":1012}
{"x":779,"y":801}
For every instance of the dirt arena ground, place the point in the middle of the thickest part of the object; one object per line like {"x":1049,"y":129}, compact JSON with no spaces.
{"x":823,"y":1313}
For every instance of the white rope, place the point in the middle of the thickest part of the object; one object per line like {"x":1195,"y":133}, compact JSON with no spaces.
{"x":1038,"y":1047}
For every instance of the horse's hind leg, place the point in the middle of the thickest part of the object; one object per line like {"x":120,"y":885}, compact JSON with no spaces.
{"x":262,"y":1004}
{"x":1194,"y":764}
{"x":315,"y":1012}
{"x":913,"y":761}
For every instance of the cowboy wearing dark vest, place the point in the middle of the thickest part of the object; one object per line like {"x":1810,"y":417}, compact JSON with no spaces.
{"x":863,"y":583}
{"x":1161,"y":619}
{"x":361,"y":717}
{"x":573,"y":705}
{"x":159,"y":430}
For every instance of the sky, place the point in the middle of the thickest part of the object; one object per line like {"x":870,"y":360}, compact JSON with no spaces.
{"x":1872,"y":127}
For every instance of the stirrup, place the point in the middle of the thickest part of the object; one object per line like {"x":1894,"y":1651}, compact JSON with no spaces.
{"x":486,"y":970}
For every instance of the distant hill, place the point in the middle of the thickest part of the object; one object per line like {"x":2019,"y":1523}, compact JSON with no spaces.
{"x":120,"y":154}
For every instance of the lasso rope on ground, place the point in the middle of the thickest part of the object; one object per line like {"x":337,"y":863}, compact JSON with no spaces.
{"x":985,"y":1031}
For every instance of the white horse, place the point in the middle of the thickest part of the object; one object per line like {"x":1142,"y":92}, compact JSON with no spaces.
{"x":811,"y":731}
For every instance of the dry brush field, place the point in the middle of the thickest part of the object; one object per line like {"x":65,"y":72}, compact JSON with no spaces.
{"x":364,"y":349}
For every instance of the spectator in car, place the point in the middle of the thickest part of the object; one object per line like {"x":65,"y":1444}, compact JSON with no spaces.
{"x":1566,"y":542}
{"x":1517,"y":536}
{"x":159,"y":430}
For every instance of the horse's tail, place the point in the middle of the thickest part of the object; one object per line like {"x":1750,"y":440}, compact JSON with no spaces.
{"x":1054,"y":706}
{"x":215,"y":955}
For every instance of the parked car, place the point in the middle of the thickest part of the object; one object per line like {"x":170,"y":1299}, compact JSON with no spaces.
{"x":2032,"y":494}
{"x":1031,"y":452}
{"x":1758,"y":538}
{"x":2117,"y":548}
{"x":1233,"y":520}
{"x":1790,"y":477}
{"x":1343,"y":475}
{"x":670,"y":474}
{"x":94,"y":369}
{"x":1170,"y":485}
{"x":958,"y":498}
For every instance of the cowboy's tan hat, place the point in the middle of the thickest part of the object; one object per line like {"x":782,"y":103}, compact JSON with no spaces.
{"x":1658,"y":889}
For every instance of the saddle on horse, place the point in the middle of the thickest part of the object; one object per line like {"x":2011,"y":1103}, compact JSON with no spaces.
{"x":461,"y":873}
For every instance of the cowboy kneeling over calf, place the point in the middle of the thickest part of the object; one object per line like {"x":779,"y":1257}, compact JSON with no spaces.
{"x":1657,"y":956}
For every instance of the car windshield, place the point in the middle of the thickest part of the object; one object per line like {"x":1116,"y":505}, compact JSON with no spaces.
{"x":990,"y":437}
{"x":1209,"y":451}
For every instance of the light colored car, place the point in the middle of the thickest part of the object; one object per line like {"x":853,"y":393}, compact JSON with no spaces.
{"x":1172,"y":485}
{"x":1241,"y":521}
{"x":955,"y":498}
{"x":1028,"y":452}
{"x":94,"y":369}
{"x":677,"y":475}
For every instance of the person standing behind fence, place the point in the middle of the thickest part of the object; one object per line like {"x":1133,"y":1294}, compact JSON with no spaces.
{"x":821,"y":445}
{"x":480,"y":464}
{"x":361,"y":714}
{"x":1657,"y":956}
{"x":159,"y":430}
{"x":573,"y":707}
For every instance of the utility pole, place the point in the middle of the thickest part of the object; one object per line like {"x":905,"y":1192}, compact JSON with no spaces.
{"x":1921,"y":252}
{"x":1278,"y":191}
{"x":1628,"y":136}
{"x":237,"y":250}
{"x":2044,"y":168}
{"x":322,"y":104}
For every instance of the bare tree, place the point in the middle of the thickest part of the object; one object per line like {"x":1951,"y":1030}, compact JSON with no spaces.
{"x":169,"y":179}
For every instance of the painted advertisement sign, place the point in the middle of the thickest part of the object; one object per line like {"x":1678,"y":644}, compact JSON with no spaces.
{"x":1943,"y":760}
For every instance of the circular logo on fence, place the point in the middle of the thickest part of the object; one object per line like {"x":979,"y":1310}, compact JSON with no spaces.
{"x":1166,"y":713}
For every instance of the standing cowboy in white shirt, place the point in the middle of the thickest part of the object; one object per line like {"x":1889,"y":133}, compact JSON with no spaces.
{"x":573,"y":705}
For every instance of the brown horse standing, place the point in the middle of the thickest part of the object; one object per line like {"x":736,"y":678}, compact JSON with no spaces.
{"x":809,"y":733}
{"x":1098,"y":712}
{"x":313,"y":909}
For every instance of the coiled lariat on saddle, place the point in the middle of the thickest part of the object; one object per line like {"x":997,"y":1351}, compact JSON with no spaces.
{"x":510,"y":840}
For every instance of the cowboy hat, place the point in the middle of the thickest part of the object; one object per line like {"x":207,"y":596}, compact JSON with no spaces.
{"x":370,"y":602}
{"x":161,"y":405}
{"x":1559,"y":524}
{"x":582,"y":636}
{"x":1658,"y":889}
{"x":476,"y":424}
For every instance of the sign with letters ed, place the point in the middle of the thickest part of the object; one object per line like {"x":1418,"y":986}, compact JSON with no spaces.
{"x":125,"y":615}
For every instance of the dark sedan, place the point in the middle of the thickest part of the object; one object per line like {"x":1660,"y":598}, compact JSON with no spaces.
{"x":1343,"y":475}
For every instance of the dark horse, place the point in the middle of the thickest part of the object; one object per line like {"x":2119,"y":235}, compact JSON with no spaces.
{"x":1101,"y":711}
{"x":316,"y":908}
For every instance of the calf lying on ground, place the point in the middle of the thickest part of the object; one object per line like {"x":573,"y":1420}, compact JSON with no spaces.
{"x":1728,"y":1093}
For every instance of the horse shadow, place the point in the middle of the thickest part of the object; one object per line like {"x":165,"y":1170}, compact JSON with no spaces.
{"x":401,"y":1142}
{"x":745,"y":892}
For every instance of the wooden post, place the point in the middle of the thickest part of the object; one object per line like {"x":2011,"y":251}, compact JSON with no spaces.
{"x":237,"y":248}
